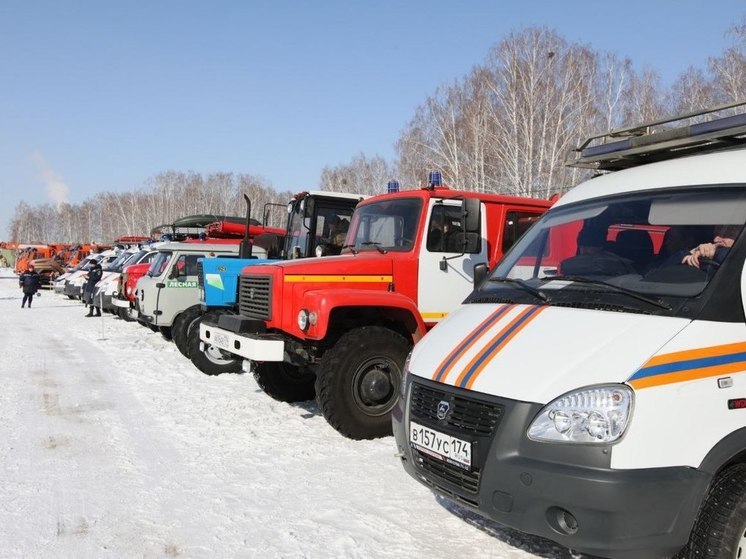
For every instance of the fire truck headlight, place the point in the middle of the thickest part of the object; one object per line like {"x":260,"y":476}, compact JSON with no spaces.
{"x":306,"y":319}
{"x":595,"y":414}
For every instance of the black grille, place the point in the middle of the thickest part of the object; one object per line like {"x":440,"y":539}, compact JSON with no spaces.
{"x":467,"y":481}
{"x":200,"y":275}
{"x":468,"y":419}
{"x":255,"y":296}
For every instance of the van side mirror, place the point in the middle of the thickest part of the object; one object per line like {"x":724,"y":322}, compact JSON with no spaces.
{"x":471,"y":215}
{"x":480,"y":273}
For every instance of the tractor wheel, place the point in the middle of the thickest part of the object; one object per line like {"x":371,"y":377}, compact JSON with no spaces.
{"x":211,"y":361}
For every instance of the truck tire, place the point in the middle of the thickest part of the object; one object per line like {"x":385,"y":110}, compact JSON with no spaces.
{"x":359,"y":380}
{"x":211,"y":361}
{"x":720,"y":529}
{"x":181,"y":326}
{"x":285,"y":382}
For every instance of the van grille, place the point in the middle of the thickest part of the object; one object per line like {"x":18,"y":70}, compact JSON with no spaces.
{"x":255,"y":296}
{"x":468,"y":419}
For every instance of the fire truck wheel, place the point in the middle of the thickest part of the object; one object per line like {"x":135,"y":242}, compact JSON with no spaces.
{"x":181,"y":327}
{"x":285,"y":382}
{"x":359,"y":380}
{"x":211,"y":361}
{"x":720,"y":529}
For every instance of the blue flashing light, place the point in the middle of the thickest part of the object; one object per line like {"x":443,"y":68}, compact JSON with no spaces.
{"x":393,"y":186}
{"x":434,"y":179}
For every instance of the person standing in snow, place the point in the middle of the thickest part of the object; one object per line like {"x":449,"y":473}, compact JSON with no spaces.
{"x":29,"y":282}
{"x":93,"y":276}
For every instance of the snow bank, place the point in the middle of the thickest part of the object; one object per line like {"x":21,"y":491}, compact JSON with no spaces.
{"x":114,"y":445}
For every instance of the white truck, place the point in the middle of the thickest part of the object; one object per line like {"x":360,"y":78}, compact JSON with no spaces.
{"x":599,"y":399}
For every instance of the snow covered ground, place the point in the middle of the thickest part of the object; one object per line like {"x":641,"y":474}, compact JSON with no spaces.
{"x":113,"y":445}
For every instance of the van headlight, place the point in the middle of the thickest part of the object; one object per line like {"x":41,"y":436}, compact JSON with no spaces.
{"x":596,"y":414}
{"x":405,"y":374}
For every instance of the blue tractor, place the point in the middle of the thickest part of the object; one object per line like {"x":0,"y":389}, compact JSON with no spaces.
{"x":312,"y":219}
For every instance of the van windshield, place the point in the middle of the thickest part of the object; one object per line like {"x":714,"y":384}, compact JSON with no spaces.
{"x":643,"y":245}
{"x":159,"y":264}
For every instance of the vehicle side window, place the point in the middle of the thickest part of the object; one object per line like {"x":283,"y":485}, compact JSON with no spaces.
{"x":516,"y":224}
{"x":445,"y":230}
{"x":186,"y":265}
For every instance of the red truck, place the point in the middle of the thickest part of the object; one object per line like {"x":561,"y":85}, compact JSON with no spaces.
{"x":340,"y":329}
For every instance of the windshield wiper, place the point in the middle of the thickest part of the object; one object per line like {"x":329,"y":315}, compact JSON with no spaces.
{"x":523,"y":285}
{"x":617,"y":288}
{"x":351,"y":247}
{"x":375,"y":244}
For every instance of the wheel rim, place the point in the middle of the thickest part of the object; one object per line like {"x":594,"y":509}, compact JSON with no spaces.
{"x":375,"y":385}
{"x":214,"y":355}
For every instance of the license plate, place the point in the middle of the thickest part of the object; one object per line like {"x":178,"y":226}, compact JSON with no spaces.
{"x":441,"y":446}
{"x":220,"y":340}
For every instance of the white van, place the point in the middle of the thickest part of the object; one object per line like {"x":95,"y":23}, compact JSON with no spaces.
{"x":597,"y":396}
{"x":168,"y":295}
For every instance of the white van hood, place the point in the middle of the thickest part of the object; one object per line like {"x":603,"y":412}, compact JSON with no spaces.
{"x":537,"y":353}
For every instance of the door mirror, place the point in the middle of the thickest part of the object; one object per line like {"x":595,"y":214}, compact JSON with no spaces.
{"x":480,"y":273}
{"x":471,"y":211}
{"x":471,"y":242}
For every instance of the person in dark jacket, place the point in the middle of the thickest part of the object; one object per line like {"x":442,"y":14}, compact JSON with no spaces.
{"x":93,"y":276}
{"x":29,"y":282}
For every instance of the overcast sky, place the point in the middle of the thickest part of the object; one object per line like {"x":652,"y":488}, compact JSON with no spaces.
{"x":100,"y":96}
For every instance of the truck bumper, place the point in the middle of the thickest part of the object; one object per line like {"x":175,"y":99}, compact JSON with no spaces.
{"x":254,"y":347}
{"x":565,"y":493}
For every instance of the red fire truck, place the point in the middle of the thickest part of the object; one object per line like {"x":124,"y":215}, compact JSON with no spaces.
{"x":339,"y":329}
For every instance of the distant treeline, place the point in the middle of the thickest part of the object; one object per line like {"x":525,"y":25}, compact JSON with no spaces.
{"x":506,"y":127}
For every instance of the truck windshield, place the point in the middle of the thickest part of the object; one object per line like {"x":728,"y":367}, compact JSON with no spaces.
{"x":641,"y":244}
{"x":389,"y":225}
{"x":160,"y":263}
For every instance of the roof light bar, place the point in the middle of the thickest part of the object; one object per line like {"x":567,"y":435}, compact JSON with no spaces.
{"x":642,"y":144}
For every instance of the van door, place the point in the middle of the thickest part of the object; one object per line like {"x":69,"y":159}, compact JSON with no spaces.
{"x":178,"y":289}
